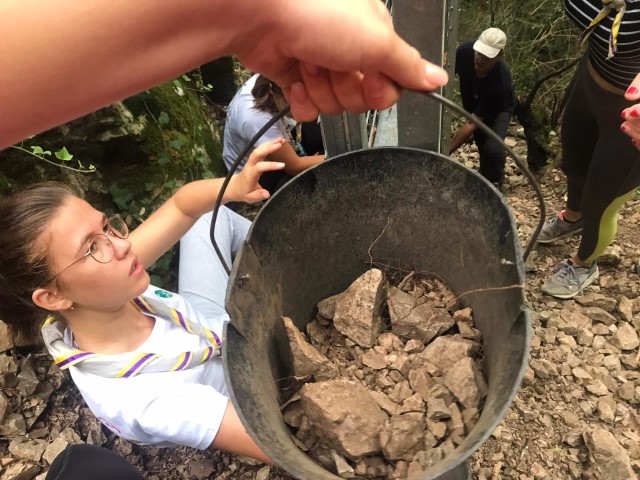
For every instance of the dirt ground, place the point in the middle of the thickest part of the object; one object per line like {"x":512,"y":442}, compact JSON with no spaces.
{"x":582,"y":378}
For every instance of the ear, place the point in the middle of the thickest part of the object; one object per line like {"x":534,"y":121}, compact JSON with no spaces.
{"x":51,"y":300}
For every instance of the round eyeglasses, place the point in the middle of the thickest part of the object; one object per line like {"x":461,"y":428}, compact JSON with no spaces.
{"x":100,"y":247}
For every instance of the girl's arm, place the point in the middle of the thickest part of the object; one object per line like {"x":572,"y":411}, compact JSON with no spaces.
{"x":232,"y":437}
{"x":171,"y":221}
{"x":294,"y":164}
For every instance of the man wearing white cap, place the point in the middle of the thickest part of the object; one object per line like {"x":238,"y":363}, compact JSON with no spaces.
{"x":486,"y":90}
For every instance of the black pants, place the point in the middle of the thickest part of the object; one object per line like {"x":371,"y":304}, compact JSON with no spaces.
{"x":601,"y":163}
{"x":82,"y":461}
{"x":492,"y":153}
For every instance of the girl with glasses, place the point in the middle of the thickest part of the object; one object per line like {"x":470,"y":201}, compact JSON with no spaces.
{"x":145,"y":360}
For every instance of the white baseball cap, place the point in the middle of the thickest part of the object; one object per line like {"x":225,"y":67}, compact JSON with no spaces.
{"x":491,"y":42}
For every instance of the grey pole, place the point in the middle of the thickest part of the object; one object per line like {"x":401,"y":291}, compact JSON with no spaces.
{"x":428,"y":25}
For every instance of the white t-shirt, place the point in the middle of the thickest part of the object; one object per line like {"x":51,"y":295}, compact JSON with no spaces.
{"x":169,"y":408}
{"x":244,"y":121}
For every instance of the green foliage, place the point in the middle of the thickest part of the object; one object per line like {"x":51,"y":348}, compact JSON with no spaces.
{"x":62,"y":155}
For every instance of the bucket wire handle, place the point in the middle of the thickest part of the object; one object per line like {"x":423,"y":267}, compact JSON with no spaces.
{"x":434,"y":96}
{"x":518,"y":161}
{"x":227,"y":179}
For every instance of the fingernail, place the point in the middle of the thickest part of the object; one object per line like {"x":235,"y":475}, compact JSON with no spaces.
{"x":634,"y":113}
{"x":634,"y":141}
{"x":623,"y":127}
{"x":436,"y":74}
{"x":623,"y":115}
{"x":632,"y":90}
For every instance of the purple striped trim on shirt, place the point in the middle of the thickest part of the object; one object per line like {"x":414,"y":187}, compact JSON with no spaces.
{"x":73,"y":358}
{"x":183,"y":324}
{"x":185,"y":362}
{"x":137,"y":365}
{"x":141,"y":305}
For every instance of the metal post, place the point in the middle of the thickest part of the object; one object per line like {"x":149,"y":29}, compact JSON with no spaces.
{"x":343,"y":133}
{"x":428,"y":25}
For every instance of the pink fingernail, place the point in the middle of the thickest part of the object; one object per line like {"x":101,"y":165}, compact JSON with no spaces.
{"x":623,"y":127}
{"x":634,"y":113}
{"x":632,"y":90}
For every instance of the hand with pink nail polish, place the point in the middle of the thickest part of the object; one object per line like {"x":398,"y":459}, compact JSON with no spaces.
{"x":631,"y":115}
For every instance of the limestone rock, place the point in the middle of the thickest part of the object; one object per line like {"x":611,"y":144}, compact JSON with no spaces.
{"x":374,"y":360}
{"x":14,"y":425}
{"x":627,"y":337}
{"x":20,"y":470}
{"x":625,"y":308}
{"x":466,"y":382}
{"x":27,"y":449}
{"x":327,"y":307}
{"x":612,"y":256}
{"x":357,"y":310}
{"x":437,"y":409}
{"x":5,"y":407}
{"x":306,"y":359}
{"x":445,"y":351}
{"x":597,"y":314}
{"x":608,"y":458}
{"x":599,"y":300}
{"x":384,"y":402}
{"x":410,"y":320}
{"x":421,"y":381}
{"x":342,"y":467}
{"x":345,"y":413}
{"x":402,"y":436}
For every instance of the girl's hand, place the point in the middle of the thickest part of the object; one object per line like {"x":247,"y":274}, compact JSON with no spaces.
{"x":244,"y":187}
{"x":631,"y":115}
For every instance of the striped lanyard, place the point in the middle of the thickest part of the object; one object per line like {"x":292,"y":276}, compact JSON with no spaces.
{"x":607,"y":5}
{"x":125,"y":365}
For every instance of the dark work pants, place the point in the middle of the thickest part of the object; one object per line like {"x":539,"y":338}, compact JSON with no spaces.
{"x":492,"y":153}
{"x":82,"y":461}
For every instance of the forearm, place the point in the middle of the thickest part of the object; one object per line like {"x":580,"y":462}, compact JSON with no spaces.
{"x":174,"y":218}
{"x":294,"y":164}
{"x":463,"y":134}
{"x":63,"y":73}
{"x":302,"y":163}
{"x":232,"y":437}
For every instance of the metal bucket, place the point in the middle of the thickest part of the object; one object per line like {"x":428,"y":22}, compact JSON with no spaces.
{"x":409,"y":208}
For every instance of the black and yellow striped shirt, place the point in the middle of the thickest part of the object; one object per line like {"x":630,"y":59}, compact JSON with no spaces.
{"x":625,"y":65}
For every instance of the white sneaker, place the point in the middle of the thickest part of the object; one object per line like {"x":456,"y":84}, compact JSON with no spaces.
{"x":569,"y":279}
{"x":558,"y":228}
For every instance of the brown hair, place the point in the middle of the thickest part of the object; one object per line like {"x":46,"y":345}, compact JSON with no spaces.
{"x":24,"y":216}
{"x":268,"y":95}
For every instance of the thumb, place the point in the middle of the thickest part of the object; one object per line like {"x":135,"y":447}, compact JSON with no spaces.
{"x":404,"y":65}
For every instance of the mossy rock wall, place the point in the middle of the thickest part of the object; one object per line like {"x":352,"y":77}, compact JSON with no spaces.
{"x":143,"y":149}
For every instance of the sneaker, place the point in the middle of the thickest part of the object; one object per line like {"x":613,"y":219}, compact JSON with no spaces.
{"x":558,"y":228}
{"x":569,"y":279}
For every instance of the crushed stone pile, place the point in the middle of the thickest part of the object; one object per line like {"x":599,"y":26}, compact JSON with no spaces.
{"x":391,"y":378}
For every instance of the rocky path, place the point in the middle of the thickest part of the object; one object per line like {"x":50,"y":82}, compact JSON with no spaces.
{"x":575,"y":416}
